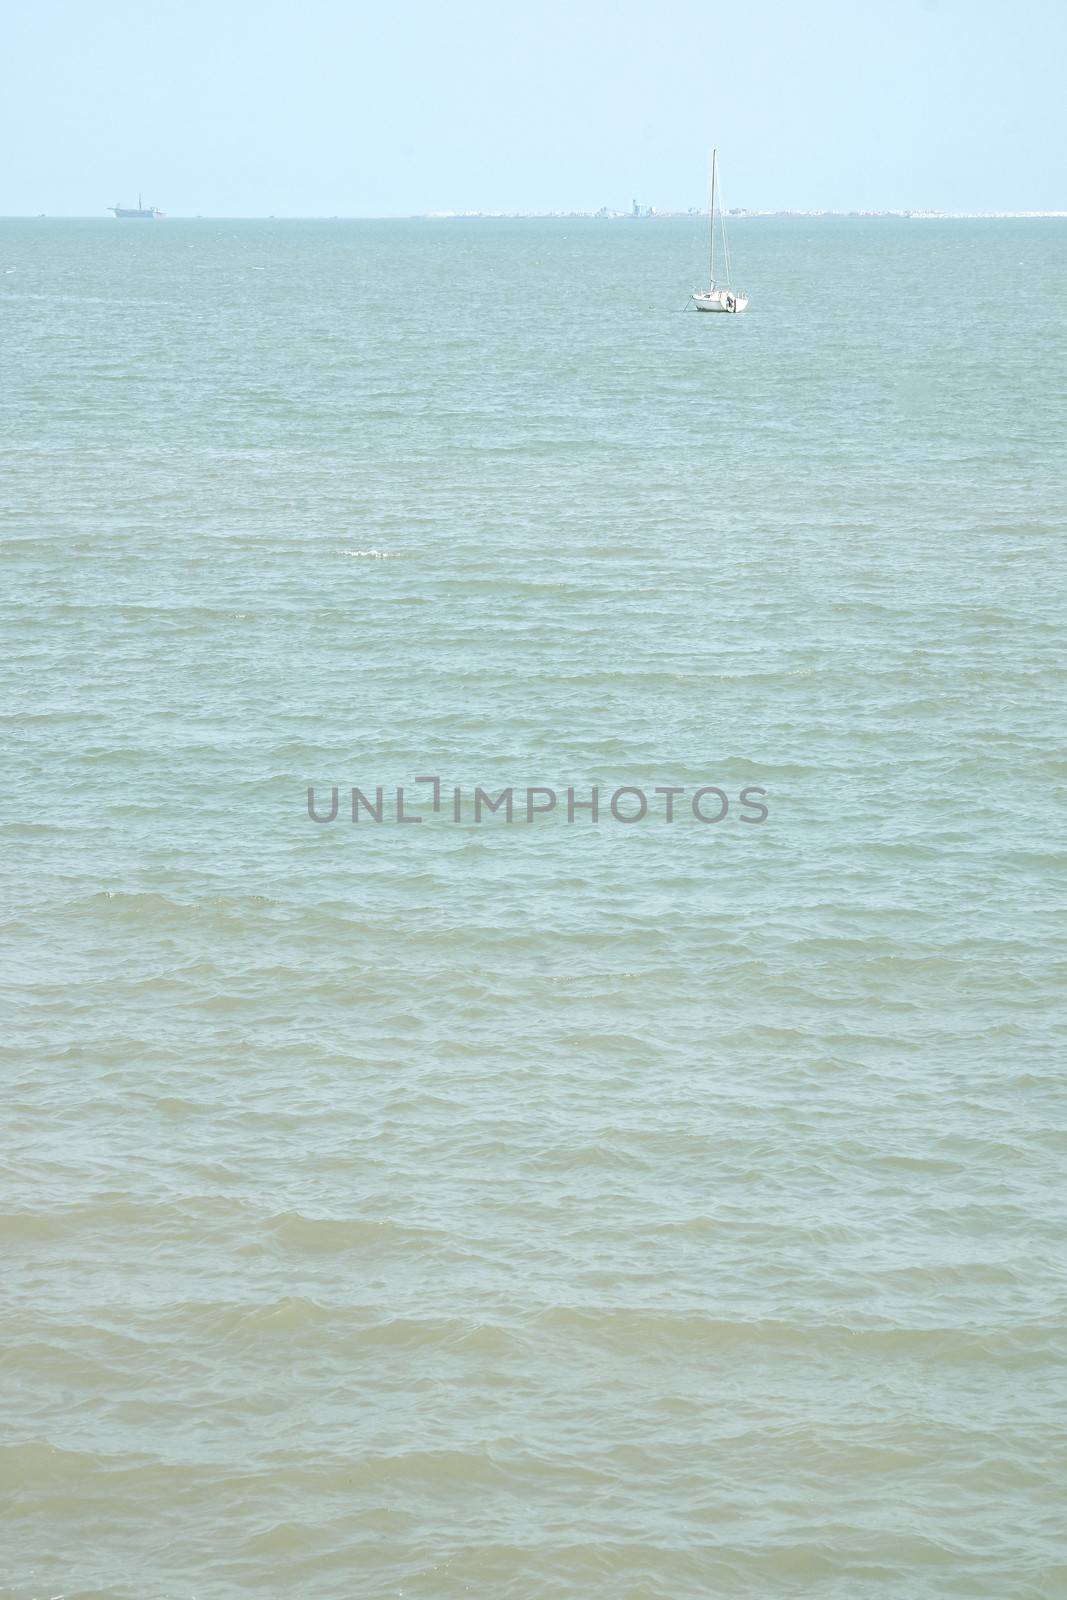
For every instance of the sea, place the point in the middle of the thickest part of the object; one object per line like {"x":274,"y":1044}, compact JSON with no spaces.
{"x":492,"y":1199}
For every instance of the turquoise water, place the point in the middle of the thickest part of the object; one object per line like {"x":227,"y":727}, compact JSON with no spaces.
{"x":626,"y":1210}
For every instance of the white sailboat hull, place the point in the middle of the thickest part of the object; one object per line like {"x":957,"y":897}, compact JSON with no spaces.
{"x":720,"y":300}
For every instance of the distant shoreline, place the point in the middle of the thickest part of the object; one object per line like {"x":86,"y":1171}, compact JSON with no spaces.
{"x":739,"y":214}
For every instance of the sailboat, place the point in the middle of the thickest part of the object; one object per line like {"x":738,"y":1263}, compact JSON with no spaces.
{"x":718,"y":296}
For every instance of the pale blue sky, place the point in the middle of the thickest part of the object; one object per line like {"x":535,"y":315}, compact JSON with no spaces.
{"x":246,"y":109}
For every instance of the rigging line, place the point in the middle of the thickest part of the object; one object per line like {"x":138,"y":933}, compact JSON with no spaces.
{"x":725,"y":242}
{"x":711,"y":219}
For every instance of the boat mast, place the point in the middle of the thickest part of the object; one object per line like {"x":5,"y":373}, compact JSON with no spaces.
{"x":711,"y":216}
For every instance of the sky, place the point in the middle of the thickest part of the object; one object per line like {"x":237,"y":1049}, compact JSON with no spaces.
{"x":339,"y":107}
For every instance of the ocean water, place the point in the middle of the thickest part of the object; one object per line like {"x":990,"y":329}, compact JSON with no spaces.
{"x":640,"y":1210}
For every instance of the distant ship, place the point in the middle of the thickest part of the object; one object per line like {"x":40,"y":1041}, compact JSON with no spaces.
{"x":139,"y":210}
